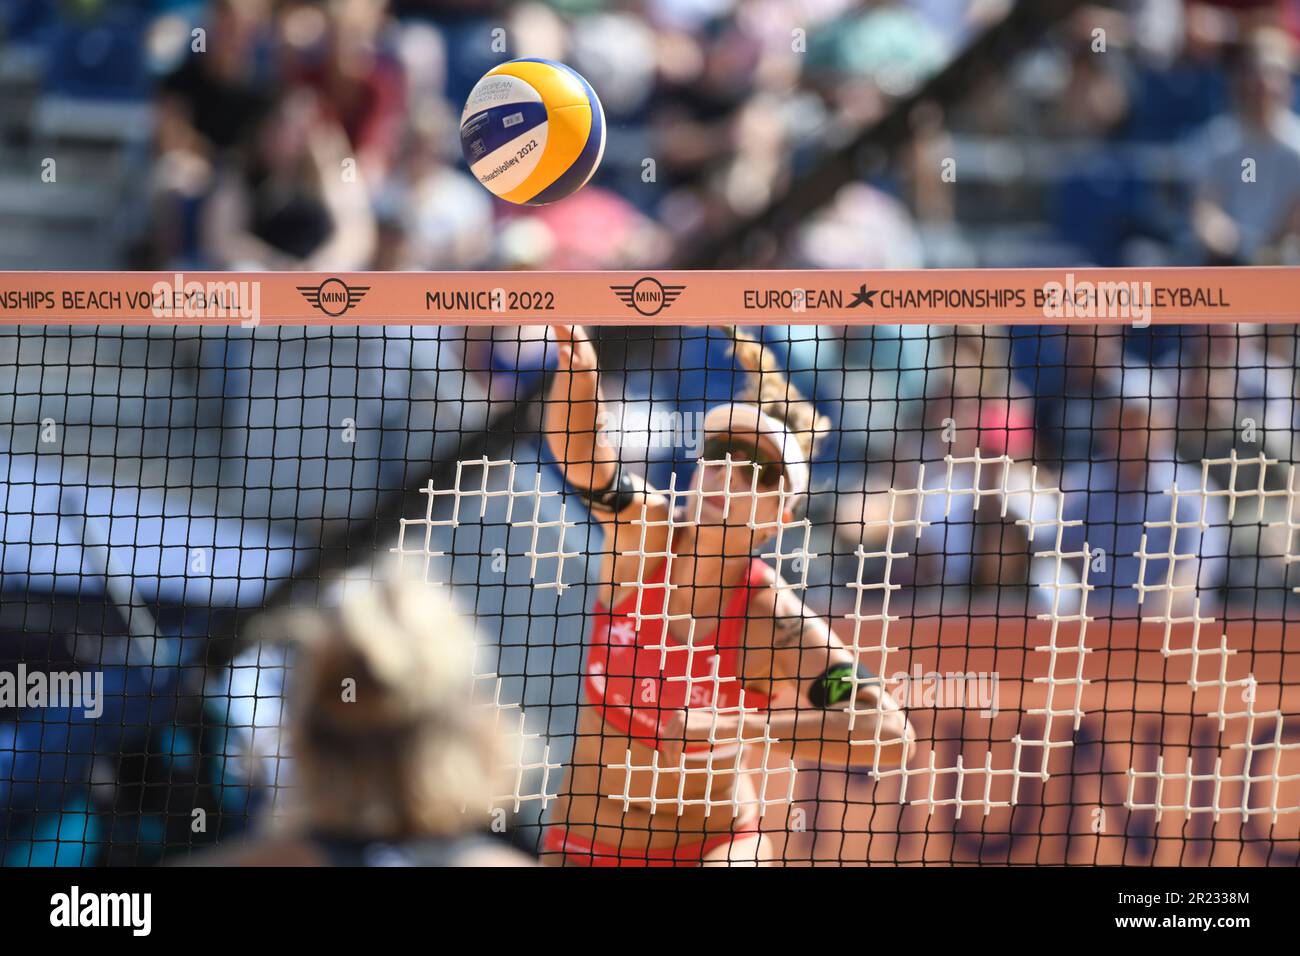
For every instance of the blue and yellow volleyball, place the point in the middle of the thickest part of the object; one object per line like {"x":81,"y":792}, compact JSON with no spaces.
{"x":533,"y":131}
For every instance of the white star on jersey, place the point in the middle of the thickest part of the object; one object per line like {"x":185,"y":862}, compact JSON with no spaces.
{"x":624,"y":632}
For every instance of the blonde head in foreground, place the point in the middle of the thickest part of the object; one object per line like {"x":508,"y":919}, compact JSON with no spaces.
{"x":387,"y":746}
{"x":384,"y":739}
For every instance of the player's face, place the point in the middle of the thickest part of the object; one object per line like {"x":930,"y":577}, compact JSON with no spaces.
{"x":728,"y":492}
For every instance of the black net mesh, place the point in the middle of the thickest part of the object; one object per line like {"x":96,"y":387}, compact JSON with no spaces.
{"x":1066,"y":553}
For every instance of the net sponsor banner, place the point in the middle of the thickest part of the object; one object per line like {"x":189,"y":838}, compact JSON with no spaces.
{"x":1017,"y":296}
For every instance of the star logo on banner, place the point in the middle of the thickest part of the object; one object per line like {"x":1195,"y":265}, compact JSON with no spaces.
{"x":863,"y":296}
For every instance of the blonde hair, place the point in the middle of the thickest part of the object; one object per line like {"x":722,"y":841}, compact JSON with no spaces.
{"x":385,"y":739}
{"x":769,"y":389}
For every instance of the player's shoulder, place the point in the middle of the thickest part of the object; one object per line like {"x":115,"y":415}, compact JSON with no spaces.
{"x":770,"y":593}
{"x":763,"y":575}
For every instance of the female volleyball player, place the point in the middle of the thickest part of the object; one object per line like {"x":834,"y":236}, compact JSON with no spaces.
{"x":667,"y":687}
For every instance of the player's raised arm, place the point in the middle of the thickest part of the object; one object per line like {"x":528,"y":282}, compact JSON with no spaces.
{"x":575,"y":434}
{"x":573,"y":412}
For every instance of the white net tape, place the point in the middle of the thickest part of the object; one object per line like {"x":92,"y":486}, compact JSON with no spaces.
{"x":747,"y":751}
{"x":527,"y":754}
{"x":415,"y":535}
{"x":1261,"y":732}
{"x":1014,"y":487}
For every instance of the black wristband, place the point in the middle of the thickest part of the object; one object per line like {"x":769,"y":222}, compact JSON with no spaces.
{"x":620,"y":493}
{"x":836,"y":685}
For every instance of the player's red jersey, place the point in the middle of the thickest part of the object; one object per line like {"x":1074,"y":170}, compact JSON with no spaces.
{"x":639,"y":682}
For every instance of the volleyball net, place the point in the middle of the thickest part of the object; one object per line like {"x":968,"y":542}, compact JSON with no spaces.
{"x":1054,"y":511}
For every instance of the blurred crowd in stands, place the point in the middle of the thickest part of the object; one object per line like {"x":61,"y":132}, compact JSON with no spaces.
{"x":1115,"y":140}
{"x":322,"y":135}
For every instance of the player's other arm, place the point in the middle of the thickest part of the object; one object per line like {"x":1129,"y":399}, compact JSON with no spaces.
{"x":807,"y":657}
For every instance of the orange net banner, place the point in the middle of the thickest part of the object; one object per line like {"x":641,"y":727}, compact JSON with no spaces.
{"x":1006,"y":296}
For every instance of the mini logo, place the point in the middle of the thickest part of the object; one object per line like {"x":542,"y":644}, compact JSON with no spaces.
{"x":648,"y":296}
{"x":863,"y":297}
{"x":514,"y":119}
{"x":334,"y":297}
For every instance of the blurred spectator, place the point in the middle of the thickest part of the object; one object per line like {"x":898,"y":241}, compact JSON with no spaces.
{"x":1237,"y":391}
{"x":286,"y":203}
{"x":1247,"y":176}
{"x":433,"y":216}
{"x":1122,"y":495}
{"x":972,"y":406}
{"x":393,"y":763}
{"x":205,"y":108}
{"x":360,"y":84}
{"x":592,"y":229}
{"x":889,"y":45}
{"x":869,"y":377}
{"x":616,"y":53}
{"x":1094,"y":98}
{"x":973,"y":409}
{"x":1091,"y":363}
{"x":207,"y":105}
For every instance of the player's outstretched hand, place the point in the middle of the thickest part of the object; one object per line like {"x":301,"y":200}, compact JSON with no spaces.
{"x":576,"y":351}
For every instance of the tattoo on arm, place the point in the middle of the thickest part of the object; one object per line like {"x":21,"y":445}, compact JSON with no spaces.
{"x":789,"y":632}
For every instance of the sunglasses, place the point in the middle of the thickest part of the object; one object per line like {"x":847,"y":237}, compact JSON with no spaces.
{"x":718,"y":447}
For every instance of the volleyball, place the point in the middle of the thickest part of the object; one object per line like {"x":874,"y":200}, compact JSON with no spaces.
{"x":533,"y":131}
